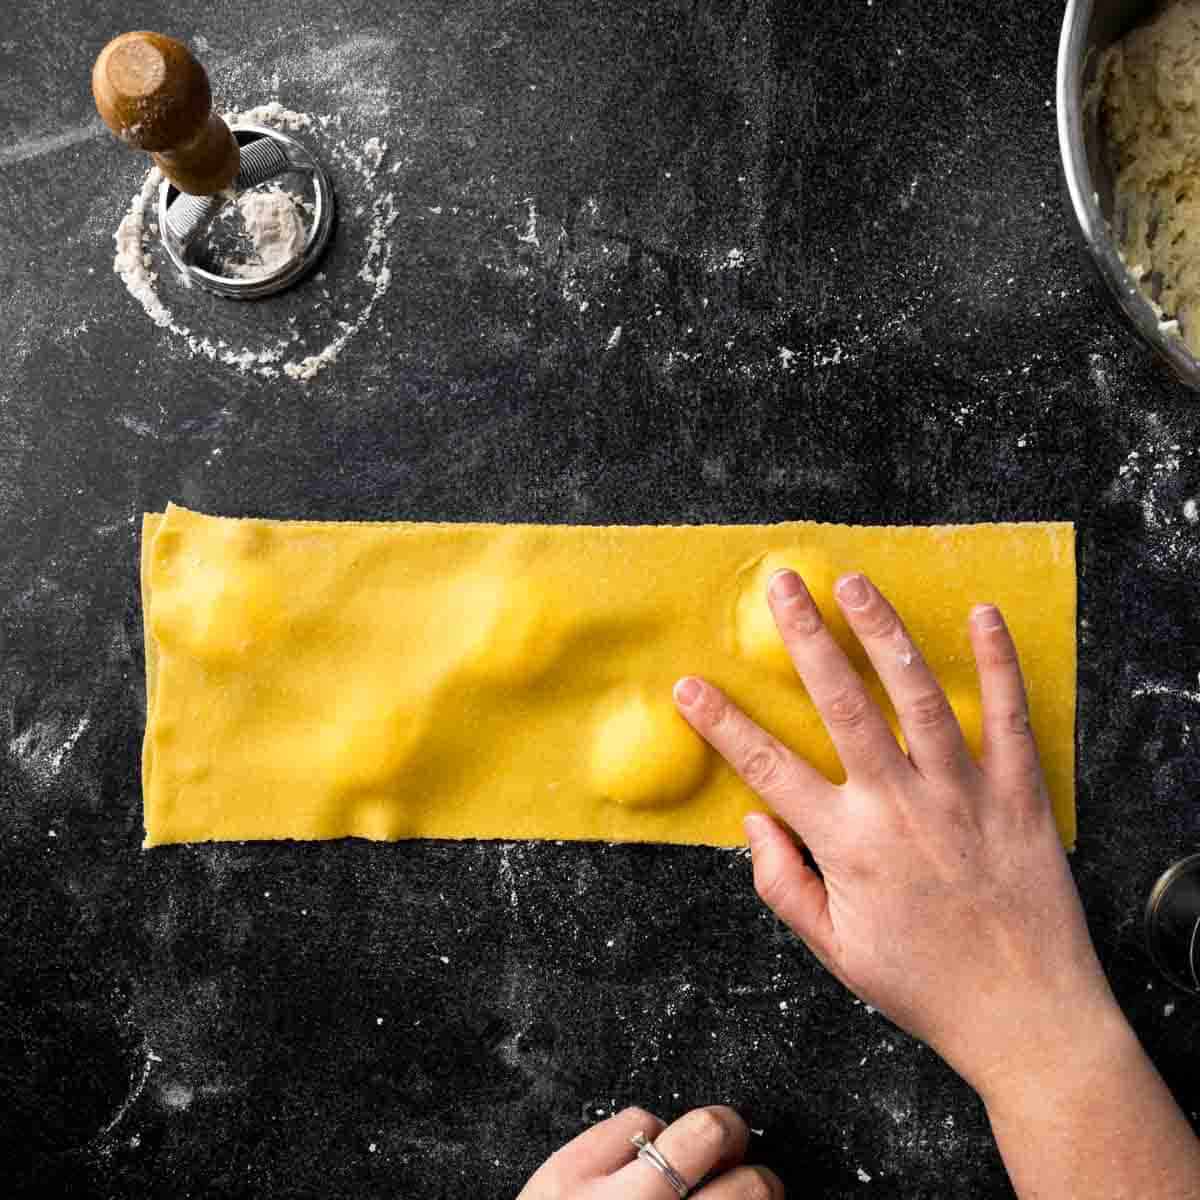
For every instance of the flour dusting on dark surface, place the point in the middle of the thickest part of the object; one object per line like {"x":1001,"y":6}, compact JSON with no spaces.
{"x":650,"y":263}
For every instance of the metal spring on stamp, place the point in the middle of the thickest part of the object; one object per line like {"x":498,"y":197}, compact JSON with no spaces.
{"x":189,"y":216}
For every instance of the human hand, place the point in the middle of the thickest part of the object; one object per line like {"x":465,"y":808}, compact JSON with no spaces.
{"x":704,"y":1144}
{"x":944,"y":897}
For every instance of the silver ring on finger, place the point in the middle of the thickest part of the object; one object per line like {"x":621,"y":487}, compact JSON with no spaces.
{"x":650,"y":1153}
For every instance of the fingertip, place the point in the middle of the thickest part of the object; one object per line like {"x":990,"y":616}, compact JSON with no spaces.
{"x":785,"y":586}
{"x":773,"y":1183}
{"x":987,"y":618}
{"x":853,"y":591}
{"x":687,"y":691}
{"x":758,"y":827}
{"x":635,"y":1114}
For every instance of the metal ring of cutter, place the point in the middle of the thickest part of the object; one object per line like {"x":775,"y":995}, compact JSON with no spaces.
{"x":266,"y":154}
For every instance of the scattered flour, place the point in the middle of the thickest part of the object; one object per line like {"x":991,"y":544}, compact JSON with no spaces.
{"x":132,"y":262}
{"x":508,"y":878}
{"x":177,"y":1096}
{"x":42,"y":747}
{"x":56,"y":759}
{"x":376,"y":271}
{"x":530,"y":236}
{"x":136,"y":1088}
{"x":1153,"y":478}
{"x":832,"y":358}
{"x":272,"y":114}
{"x":372,"y":157}
{"x":1157,"y":687}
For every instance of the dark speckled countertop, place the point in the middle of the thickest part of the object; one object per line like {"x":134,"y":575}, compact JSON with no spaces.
{"x":650,"y":263}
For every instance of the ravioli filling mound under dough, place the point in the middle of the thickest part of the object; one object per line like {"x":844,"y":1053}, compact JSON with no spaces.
{"x":1149,"y":83}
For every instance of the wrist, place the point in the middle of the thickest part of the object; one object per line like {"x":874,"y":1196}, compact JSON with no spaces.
{"x":1088,"y":1115}
{"x":1059,"y":1058}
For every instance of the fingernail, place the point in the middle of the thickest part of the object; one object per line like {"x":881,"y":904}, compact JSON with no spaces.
{"x":987,"y":617}
{"x":785,"y":586}
{"x":755,"y":826}
{"x":687,"y":691}
{"x":852,"y":591}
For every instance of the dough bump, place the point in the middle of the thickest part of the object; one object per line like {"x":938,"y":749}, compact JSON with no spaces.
{"x":645,"y":755}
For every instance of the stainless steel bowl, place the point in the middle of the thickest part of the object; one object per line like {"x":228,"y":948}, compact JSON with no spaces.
{"x":1089,"y":28}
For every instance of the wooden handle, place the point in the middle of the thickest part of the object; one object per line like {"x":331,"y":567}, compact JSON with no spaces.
{"x":153,"y":94}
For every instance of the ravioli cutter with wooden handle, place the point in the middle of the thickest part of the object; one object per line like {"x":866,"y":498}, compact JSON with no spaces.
{"x":153,"y":94}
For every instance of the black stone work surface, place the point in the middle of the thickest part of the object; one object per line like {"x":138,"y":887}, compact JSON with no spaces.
{"x":832,"y":238}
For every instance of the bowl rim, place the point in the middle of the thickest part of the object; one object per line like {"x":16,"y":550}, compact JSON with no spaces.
{"x":1084,"y":203}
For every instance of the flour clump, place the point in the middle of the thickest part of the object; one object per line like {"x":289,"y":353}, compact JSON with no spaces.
{"x":275,"y":226}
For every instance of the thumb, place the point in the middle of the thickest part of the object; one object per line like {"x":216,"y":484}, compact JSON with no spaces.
{"x":788,"y":886}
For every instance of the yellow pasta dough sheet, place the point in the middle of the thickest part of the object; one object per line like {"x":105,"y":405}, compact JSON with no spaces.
{"x":322,"y":680}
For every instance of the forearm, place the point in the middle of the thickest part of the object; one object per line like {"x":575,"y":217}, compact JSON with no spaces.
{"x":1094,"y":1120}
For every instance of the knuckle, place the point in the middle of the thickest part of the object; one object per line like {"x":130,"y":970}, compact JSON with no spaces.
{"x":998,"y":651}
{"x":712,"y":1128}
{"x":801,"y":617}
{"x":773,"y":890}
{"x":763,"y":764}
{"x":949,"y":763}
{"x":714,"y":708}
{"x":874,"y":769}
{"x":879,"y":621}
{"x":847,"y":710}
{"x":637,"y":1115}
{"x":931,"y":710}
{"x":1028,"y":789}
{"x":1014,"y":722}
{"x":1040,"y":801}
